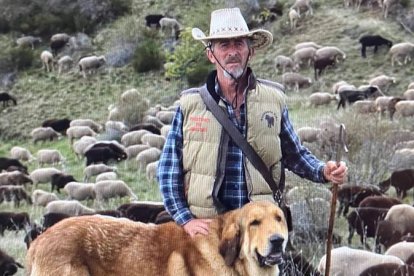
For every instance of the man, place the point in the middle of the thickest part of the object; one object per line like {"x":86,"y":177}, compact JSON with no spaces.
{"x":193,"y":186}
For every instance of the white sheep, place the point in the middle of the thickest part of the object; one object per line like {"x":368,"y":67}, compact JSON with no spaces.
{"x":402,"y":159}
{"x":49,"y":156}
{"x":382,"y":102}
{"x":405,"y":108}
{"x":107,"y":189}
{"x":170,"y":24}
{"x":295,"y":80}
{"x":411,"y":85}
{"x":47,"y":60}
{"x":409,"y":94}
{"x":80,"y":146}
{"x":153,"y":140}
{"x":166,"y":117}
{"x":14,"y":178}
{"x":364,"y":107}
{"x":106,"y":176}
{"x":134,"y":150}
{"x":96,"y":169}
{"x":151,"y":170}
{"x":116,"y":125}
{"x":401,"y":217}
{"x":64,"y":64}
{"x":303,"y":6}
{"x":343,"y":85}
{"x":28,"y":41}
{"x":293,"y":18}
{"x":69,"y":207}
{"x":80,"y":191}
{"x":402,"y":50}
{"x":303,"y":56}
{"x":308,"y":134}
{"x":153,"y":120}
{"x":307,"y":44}
{"x":131,"y":96}
{"x":330,"y":52}
{"x":321,"y":98}
{"x":383,"y":82}
{"x":60,"y":36}
{"x":74,"y":132}
{"x":349,"y":261}
{"x":402,"y":250}
{"x":147,"y":156}
{"x":133,"y":137}
{"x":283,"y":63}
{"x":21,"y":153}
{"x":115,"y":114}
{"x":42,"y":198}
{"x":43,"y":175}
{"x":91,"y":64}
{"x":165,"y":130}
{"x":86,"y":122}
{"x":43,"y":134}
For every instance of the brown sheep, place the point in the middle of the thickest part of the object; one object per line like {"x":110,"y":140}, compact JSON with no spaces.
{"x":352,"y":195}
{"x":16,"y":194}
{"x":8,"y":266}
{"x":402,"y":181}
{"x":13,"y":221}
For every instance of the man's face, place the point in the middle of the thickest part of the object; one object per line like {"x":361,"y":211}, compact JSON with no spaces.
{"x":232,"y":54}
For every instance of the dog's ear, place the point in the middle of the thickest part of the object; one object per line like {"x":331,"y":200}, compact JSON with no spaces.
{"x":230,"y":243}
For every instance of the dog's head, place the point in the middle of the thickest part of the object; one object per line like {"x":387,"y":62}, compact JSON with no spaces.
{"x":257,"y":232}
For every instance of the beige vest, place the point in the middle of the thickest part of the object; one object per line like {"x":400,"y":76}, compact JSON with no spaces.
{"x":201,"y":138}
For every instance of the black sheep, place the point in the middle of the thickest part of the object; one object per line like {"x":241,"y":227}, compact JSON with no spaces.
{"x":153,"y":20}
{"x":402,"y":181}
{"x":59,"y":125}
{"x":8,"y":266}
{"x":5,"y":163}
{"x":352,"y":96}
{"x":320,"y":64}
{"x":373,"y":40}
{"x":50,"y":219}
{"x":147,"y":126}
{"x":13,"y":221}
{"x":57,"y":45}
{"x":59,"y":180}
{"x":103,"y":154}
{"x":6,"y":97}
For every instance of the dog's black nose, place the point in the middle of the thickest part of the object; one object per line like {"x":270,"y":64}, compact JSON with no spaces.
{"x":276,"y":240}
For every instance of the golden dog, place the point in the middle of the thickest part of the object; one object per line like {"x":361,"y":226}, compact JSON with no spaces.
{"x":246,"y":241}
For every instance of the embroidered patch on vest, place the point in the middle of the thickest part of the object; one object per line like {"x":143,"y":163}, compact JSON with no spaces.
{"x":199,"y":123}
{"x":269,"y":118}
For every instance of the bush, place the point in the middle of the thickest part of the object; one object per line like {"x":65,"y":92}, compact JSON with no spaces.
{"x":147,"y":57}
{"x":197,"y":76}
{"x":120,"y":7}
{"x":21,"y":57}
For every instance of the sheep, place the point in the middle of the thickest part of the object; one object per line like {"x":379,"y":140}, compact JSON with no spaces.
{"x":410,"y":86}
{"x":106,"y":176}
{"x":86,"y":122}
{"x":28,"y":41}
{"x":151,"y":171}
{"x":32,"y":233}
{"x":68,"y":207}
{"x":143,"y":211}
{"x":321,"y":98}
{"x":364,"y":107}
{"x":104,"y":155}
{"x":373,"y":40}
{"x":146,"y":126}
{"x":321,"y":63}
{"x":352,"y":96}
{"x":381,"y":103}
{"x":283,"y":63}
{"x":401,"y":50}
{"x":112,"y":188}
{"x":43,"y":134}
{"x":116,"y":125}
{"x":379,"y":202}
{"x":293,"y":18}
{"x":409,"y":94}
{"x":350,"y":195}
{"x":402,"y":159}
{"x":42,"y":198}
{"x":345,"y":87}
{"x":338,"y":84}
{"x":402,"y":181}
{"x":303,"y":6}
{"x":64,"y":64}
{"x":13,"y":221}
{"x":96,"y":169}
{"x":16,"y":194}
{"x":80,"y":146}
{"x":153,"y":19}
{"x":170,"y":24}
{"x":58,"y":42}
{"x":403,"y":250}
{"x":349,"y":261}
{"x":295,"y":80}
{"x":47,"y":60}
{"x":115,"y":114}
{"x":6,"y":163}
{"x":21,"y":153}
{"x":307,"y":44}
{"x":134,"y":150}
{"x":6,"y":97}
{"x":166,"y":117}
{"x":80,"y":191}
{"x":91,"y":64}
{"x":49,"y":156}
{"x":133,"y":137}
{"x":58,"y":125}
{"x":308,"y":134}
{"x":153,"y":140}
{"x":388,"y":269}
{"x":130,"y":96}
{"x":404,"y":145}
{"x":303,"y":56}
{"x":8,"y":265}
{"x":405,"y":108}
{"x":163,"y":217}
{"x":43,"y":175}
{"x":78,"y":132}
{"x":147,"y":156}
{"x":331,"y":52}
{"x":383,"y":82}
{"x":51,"y":218}
{"x":165,"y":130}
{"x":59,"y":180}
{"x":153,"y":120}
{"x":15,"y":178}
{"x":391,"y":106}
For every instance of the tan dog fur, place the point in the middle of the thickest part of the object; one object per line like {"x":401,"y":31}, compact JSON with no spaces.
{"x":97,"y":245}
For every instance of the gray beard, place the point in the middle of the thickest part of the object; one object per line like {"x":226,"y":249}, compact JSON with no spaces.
{"x":236,"y":74}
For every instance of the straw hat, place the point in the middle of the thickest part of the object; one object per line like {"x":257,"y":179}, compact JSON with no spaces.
{"x":229,"y":23}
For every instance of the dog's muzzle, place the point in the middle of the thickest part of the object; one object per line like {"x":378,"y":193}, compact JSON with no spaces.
{"x":275,"y":256}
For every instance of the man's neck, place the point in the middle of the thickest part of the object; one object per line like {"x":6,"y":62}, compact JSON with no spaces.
{"x":228,"y":86}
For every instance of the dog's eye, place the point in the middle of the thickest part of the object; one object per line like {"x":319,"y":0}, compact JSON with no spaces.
{"x":255,"y":222}
{"x":278,"y":218}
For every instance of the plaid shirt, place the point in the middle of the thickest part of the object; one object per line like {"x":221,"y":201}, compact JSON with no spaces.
{"x":233,"y":192}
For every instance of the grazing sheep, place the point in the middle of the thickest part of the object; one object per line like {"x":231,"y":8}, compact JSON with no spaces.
{"x":321,"y":98}
{"x":153,"y":120}
{"x":8,"y":265}
{"x":86,"y":122}
{"x":134,"y":150}
{"x":303,"y":56}
{"x":104,"y":155}
{"x":80,"y":191}
{"x":49,"y":156}
{"x":68,"y":207}
{"x":381,"y":103}
{"x":402,"y":159}
{"x":321,"y":63}
{"x":283,"y":63}
{"x":166,"y":117}
{"x":107,"y":189}
{"x":308,"y":134}
{"x":130,"y":96}
{"x":16,"y":178}
{"x":388,"y":269}
{"x":403,"y":250}
{"x":405,"y":108}
{"x":401,"y":50}
{"x":391,"y":106}
{"x":165,"y":130}
{"x":409,"y":94}
{"x":13,"y":221}
{"x":344,"y":87}
{"x":106,"y":176}
{"x":6,"y":97}
{"x":43,"y":175}
{"x":349,"y":261}
{"x":58,"y":42}
{"x":15,"y":194}
{"x":28,"y":41}
{"x":163,"y":217}
{"x":295,"y":80}
{"x":351,"y":96}
{"x":147,"y":156}
{"x":21,"y":154}
{"x":146,"y":126}
{"x":293,"y":18}
{"x":80,"y":146}
{"x":143,"y":211}
{"x":96,"y":169}
{"x":91,"y":64}
{"x":307,"y":44}
{"x":303,"y":6}
{"x":59,"y":180}
{"x":153,"y":140}
{"x":47,"y":60}
{"x":78,"y":132}
{"x":64,"y":64}
{"x":31,"y":234}
{"x":373,"y":40}
{"x":330,"y":52}
{"x":379,"y":202}
{"x":116,"y":125}
{"x":42,"y":198}
{"x":402,"y":181}
{"x":58,"y":125}
{"x":113,"y":145}
{"x":133,"y":137}
{"x":383,"y":82}
{"x":364,"y":107}
{"x":151,"y":171}
{"x":51,"y":218}
{"x":170,"y":24}
{"x":350,"y":195}
{"x":43,"y":134}
{"x":6,"y":163}
{"x":153,"y":19}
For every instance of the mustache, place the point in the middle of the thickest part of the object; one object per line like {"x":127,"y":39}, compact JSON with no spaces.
{"x":232,"y":60}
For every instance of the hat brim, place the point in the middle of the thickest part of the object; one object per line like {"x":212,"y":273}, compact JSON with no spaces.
{"x":260,"y":38}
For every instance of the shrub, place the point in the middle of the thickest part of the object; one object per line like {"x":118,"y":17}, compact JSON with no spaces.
{"x":197,"y":76}
{"x":147,"y":57}
{"x":120,"y":7}
{"x":21,"y":57}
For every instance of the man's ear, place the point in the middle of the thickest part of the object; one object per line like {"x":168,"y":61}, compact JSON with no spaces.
{"x":210,"y":56}
{"x":252,"y":52}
